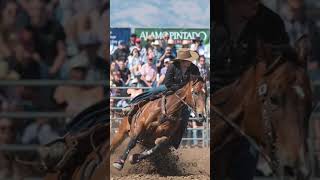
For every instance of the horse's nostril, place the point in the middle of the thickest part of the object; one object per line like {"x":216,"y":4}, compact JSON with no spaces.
{"x":200,"y":115}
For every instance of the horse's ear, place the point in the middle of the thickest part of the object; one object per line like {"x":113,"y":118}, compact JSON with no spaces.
{"x":302,"y":47}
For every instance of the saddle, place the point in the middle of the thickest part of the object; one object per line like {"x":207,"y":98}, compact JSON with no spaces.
{"x":140,"y":104}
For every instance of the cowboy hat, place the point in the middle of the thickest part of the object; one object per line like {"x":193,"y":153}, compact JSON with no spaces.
{"x":184,"y":54}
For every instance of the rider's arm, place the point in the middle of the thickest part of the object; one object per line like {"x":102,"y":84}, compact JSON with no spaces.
{"x":169,"y":78}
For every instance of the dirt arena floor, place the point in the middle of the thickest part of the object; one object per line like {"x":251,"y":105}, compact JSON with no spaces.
{"x":178,"y":164}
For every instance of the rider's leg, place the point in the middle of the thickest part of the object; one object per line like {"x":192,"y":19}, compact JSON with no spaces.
{"x":144,"y":96}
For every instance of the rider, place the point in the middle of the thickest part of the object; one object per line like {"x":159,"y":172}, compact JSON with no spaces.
{"x":237,"y":27}
{"x":178,"y":74}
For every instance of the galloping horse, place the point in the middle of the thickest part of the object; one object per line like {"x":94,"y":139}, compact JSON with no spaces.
{"x":147,"y":128}
{"x":270,"y":105}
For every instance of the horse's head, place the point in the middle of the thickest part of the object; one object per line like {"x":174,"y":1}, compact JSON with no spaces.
{"x":199,"y":97}
{"x":289,"y":104}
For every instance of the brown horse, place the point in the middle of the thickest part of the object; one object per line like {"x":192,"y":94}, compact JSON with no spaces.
{"x":147,"y":127}
{"x":270,"y":104}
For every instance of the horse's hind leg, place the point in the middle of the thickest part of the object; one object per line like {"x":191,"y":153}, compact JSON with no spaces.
{"x":160,"y":142}
{"x":120,"y":162}
{"x":120,"y":135}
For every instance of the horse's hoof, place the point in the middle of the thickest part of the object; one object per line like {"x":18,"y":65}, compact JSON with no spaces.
{"x":134,"y":158}
{"x":118,"y":165}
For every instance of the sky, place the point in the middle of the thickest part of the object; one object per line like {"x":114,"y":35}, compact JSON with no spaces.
{"x":160,"y":13}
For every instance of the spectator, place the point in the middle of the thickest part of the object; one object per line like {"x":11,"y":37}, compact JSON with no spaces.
{"x":88,"y":46}
{"x":164,"y":41}
{"x":150,"y":40}
{"x":198,"y":46}
{"x":124,"y":72}
{"x":39,"y":132}
{"x":157,"y":51}
{"x":171,"y":44}
{"x":117,"y":79}
{"x":185,"y":44}
{"x":142,"y":50}
{"x":163,"y":71}
{"x":203,"y":68}
{"x":8,"y":27}
{"x":25,"y":63}
{"x":149,"y":73}
{"x":135,"y":61}
{"x":166,"y":54}
{"x":132,"y":41}
{"x":121,"y":51}
{"x":75,"y":98}
{"x":49,"y":38}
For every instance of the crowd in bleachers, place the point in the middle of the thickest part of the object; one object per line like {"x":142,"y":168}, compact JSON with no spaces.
{"x":49,"y":40}
{"x":143,"y":64}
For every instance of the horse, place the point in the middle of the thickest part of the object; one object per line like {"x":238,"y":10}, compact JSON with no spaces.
{"x":148,"y":129}
{"x":270,"y":105}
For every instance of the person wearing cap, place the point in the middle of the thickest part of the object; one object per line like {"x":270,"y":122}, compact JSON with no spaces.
{"x":142,"y":50}
{"x":172,"y":45}
{"x":133,"y":38}
{"x":178,"y":74}
{"x":150,"y":41}
{"x":157,"y":50}
{"x":238,"y":25}
{"x":163,"y":71}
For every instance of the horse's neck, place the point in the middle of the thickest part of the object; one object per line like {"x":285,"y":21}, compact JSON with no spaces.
{"x":183,"y":94}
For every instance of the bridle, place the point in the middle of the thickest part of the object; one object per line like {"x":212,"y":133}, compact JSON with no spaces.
{"x":194,"y":103}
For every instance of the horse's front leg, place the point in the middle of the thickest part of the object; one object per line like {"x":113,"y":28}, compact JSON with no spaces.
{"x":160,"y":142}
{"x":120,"y":162}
